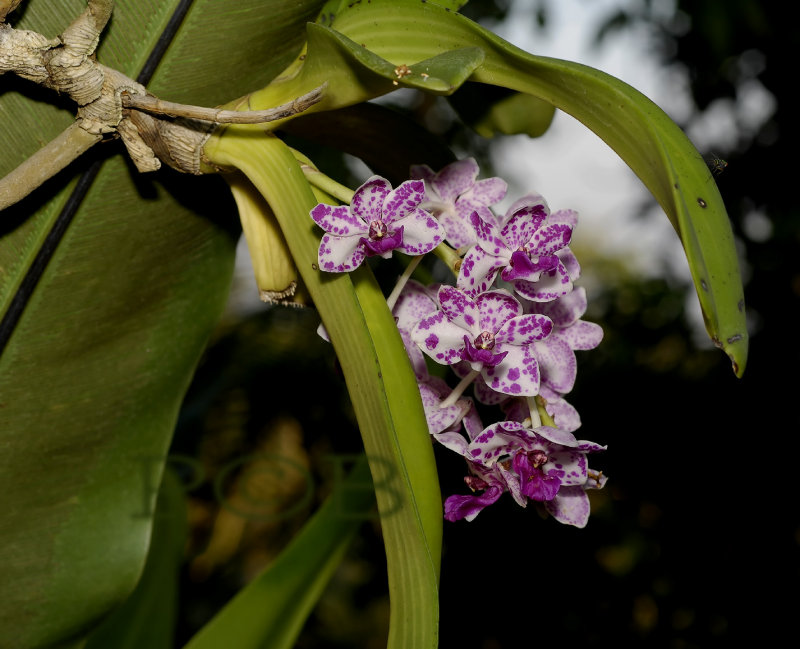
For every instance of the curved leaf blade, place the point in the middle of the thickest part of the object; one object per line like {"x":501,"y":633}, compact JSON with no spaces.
{"x":650,"y":143}
{"x":405,"y":33}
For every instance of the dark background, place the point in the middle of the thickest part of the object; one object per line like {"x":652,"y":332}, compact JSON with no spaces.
{"x":693,"y":543}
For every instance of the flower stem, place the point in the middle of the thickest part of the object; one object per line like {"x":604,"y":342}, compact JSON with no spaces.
{"x":318,"y":179}
{"x":536,"y":420}
{"x":459,"y":389}
{"x":449,"y":256}
{"x":401,"y":281}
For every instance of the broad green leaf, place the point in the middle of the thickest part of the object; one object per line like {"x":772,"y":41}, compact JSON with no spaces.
{"x":93,"y":373}
{"x":360,"y":46}
{"x":271,"y":610}
{"x":381,"y":383}
{"x":148,"y":617}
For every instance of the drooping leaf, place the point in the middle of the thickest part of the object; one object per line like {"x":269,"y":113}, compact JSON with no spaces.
{"x":652,"y":145}
{"x":363,"y":45}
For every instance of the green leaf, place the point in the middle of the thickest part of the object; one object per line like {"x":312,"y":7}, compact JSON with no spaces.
{"x":354,"y":74}
{"x":365,"y":40}
{"x":148,"y":616}
{"x":381,"y":383}
{"x":93,"y":374}
{"x":652,"y":145}
{"x":271,"y":610}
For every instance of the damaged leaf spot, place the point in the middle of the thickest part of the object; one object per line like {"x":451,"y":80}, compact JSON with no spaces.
{"x":402,"y":71}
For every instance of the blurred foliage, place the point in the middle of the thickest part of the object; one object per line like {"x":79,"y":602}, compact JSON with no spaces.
{"x":696,"y":520}
{"x":263,"y":427}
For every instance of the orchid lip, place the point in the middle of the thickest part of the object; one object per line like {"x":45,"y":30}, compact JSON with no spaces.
{"x":473,"y":354}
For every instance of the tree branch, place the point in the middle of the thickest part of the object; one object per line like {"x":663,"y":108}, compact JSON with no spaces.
{"x":45,"y":163}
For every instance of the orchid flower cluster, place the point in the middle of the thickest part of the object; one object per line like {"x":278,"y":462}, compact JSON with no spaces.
{"x":509,"y":328}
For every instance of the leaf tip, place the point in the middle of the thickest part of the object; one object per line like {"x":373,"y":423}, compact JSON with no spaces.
{"x":735,"y":346}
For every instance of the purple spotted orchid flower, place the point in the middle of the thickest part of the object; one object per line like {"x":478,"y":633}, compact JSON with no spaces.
{"x":556,"y":353}
{"x":528,"y":247}
{"x":544,"y":465}
{"x":453,"y":193}
{"x":490,"y":332}
{"x":556,"y":357}
{"x":378,"y":220}
{"x":518,"y":350}
{"x":414,"y":303}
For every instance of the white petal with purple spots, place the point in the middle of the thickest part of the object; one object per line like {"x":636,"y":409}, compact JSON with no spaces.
{"x":517,"y":374}
{"x":486,"y":192}
{"x":403,"y":200}
{"x":556,"y":436}
{"x":525,"y":329}
{"x":433,"y":391}
{"x":551,"y":285}
{"x":566,"y":310}
{"x":368,"y":199}
{"x":557,"y":364}
{"x":340,"y":254}
{"x":570,"y":506}
{"x":460,"y":309}
{"x":439,"y":338}
{"x":338,"y":220}
{"x":478,"y":271}
{"x":496,"y":308}
{"x":421,"y":232}
{"x":455,"y":179}
{"x":415,"y":302}
{"x":582,"y":335}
